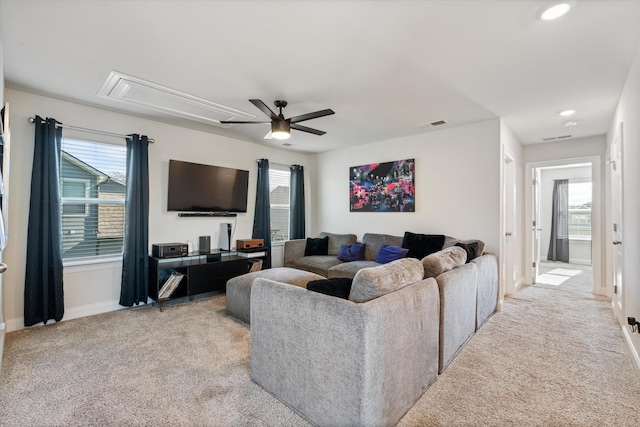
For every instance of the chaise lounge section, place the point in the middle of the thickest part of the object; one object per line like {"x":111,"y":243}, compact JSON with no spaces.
{"x":339,"y":362}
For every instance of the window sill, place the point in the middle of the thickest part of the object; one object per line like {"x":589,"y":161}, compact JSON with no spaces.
{"x":580,"y":238}
{"x":97,"y":262}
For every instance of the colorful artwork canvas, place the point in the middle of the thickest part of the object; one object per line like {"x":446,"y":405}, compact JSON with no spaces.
{"x":383,"y":187}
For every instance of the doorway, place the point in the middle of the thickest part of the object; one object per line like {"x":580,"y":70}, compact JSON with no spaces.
{"x":563,"y":208}
{"x":564,"y":232}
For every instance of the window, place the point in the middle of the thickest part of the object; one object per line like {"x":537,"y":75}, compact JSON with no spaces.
{"x":279,"y":181}
{"x":92,"y":187}
{"x":579,"y":209}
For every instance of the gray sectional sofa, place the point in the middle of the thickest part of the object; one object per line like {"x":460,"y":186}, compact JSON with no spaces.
{"x":365,"y":360}
{"x":338,"y":362}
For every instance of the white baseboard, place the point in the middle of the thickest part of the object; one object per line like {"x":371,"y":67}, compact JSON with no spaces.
{"x":632,"y":349}
{"x":73,"y":313}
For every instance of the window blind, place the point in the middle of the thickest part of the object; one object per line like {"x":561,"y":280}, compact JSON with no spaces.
{"x":93,"y":186}
{"x":279,"y":182}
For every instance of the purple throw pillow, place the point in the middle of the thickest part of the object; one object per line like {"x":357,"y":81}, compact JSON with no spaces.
{"x":388,"y":253}
{"x":353,"y":252}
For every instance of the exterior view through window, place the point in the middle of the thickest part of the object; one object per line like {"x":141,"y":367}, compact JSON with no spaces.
{"x":279,"y":181}
{"x":92,"y":186}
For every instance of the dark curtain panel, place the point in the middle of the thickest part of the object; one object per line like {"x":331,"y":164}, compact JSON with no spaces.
{"x":262,"y":217}
{"x":135,"y":265}
{"x":296,"y":203}
{"x":43,"y":293}
{"x":559,"y":242}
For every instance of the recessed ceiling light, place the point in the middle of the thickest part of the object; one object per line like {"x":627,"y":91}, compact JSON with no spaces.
{"x":570,"y":123}
{"x":567,"y":113}
{"x":555,"y":11}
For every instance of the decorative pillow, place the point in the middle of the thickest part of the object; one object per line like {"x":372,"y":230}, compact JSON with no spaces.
{"x":438,"y":262}
{"x":388,"y":253}
{"x":338,"y":287}
{"x":317,"y":246}
{"x":421,"y":245}
{"x":353,"y":252}
{"x":470,"y":248}
{"x":374,"y":282}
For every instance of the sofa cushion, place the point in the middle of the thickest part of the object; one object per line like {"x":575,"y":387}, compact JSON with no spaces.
{"x":319,"y":264}
{"x":444,"y":260}
{"x":349,"y":269}
{"x":388,"y":253}
{"x":373,"y":282}
{"x":337,"y":240}
{"x":353,"y":252}
{"x":470,"y":248}
{"x":338,"y":287}
{"x":421,"y":245}
{"x":373,"y":241}
{"x":317,"y":246}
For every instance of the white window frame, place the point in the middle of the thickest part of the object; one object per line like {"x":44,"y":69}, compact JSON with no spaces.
{"x":76,"y":200}
{"x":93,"y":259}
{"x":280,"y":206}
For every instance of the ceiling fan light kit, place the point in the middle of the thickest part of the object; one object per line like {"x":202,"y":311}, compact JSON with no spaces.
{"x":281,"y":127}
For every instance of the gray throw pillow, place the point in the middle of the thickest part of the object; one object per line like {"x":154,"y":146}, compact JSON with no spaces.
{"x":373,"y":282}
{"x":444,"y":260}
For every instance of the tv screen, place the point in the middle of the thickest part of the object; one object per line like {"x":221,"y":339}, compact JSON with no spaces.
{"x":194,"y":187}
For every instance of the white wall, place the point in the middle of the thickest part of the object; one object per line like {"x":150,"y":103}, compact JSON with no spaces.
{"x":96,"y":288}
{"x":457,"y":181}
{"x":628,"y":113}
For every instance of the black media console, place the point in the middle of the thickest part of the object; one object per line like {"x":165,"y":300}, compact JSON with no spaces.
{"x":200,"y":273}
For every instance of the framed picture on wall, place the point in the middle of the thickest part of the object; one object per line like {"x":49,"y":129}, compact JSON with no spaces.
{"x":382,"y":187}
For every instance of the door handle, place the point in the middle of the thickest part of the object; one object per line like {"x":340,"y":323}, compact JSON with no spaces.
{"x":617,"y":242}
{"x":3,"y":267}
{"x":508,"y":233}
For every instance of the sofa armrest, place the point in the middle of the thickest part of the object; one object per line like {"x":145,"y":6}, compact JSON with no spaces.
{"x":337,"y":362}
{"x":293,"y":250}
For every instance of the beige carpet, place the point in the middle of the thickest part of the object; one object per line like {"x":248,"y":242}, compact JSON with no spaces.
{"x":549,"y":359}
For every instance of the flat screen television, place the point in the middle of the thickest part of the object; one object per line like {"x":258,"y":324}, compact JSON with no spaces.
{"x":195,"y":187}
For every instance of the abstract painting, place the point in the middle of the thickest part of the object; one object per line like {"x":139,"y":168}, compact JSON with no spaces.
{"x":382,"y":187}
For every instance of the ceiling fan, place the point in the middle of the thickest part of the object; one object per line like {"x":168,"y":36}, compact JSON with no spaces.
{"x":280,"y":127}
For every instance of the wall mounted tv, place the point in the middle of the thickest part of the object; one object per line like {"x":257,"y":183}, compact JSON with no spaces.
{"x":194,"y":187}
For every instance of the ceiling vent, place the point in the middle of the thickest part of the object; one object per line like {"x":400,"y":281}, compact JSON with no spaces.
{"x":555,"y":138}
{"x":134,"y":91}
{"x":432,"y":124}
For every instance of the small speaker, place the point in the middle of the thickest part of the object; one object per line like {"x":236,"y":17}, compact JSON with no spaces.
{"x":205,"y":244}
{"x":225,"y":236}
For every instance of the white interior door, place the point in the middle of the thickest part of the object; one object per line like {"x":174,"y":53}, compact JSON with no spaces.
{"x":4,"y":186}
{"x":509,"y":265}
{"x":535,"y":223}
{"x":616,"y":226}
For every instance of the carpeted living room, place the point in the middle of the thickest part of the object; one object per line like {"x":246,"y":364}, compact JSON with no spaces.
{"x":157,"y":156}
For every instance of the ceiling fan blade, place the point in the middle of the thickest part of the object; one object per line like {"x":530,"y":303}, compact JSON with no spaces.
{"x":310,"y":116}
{"x":263,"y":107}
{"x":239,"y":122}
{"x":307,"y":129}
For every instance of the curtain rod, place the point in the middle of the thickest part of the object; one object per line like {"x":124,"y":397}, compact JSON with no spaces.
{"x":100,"y":132}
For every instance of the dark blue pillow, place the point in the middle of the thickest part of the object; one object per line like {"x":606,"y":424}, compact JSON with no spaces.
{"x":319,"y":246}
{"x":388,"y":253}
{"x":353,"y":252}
